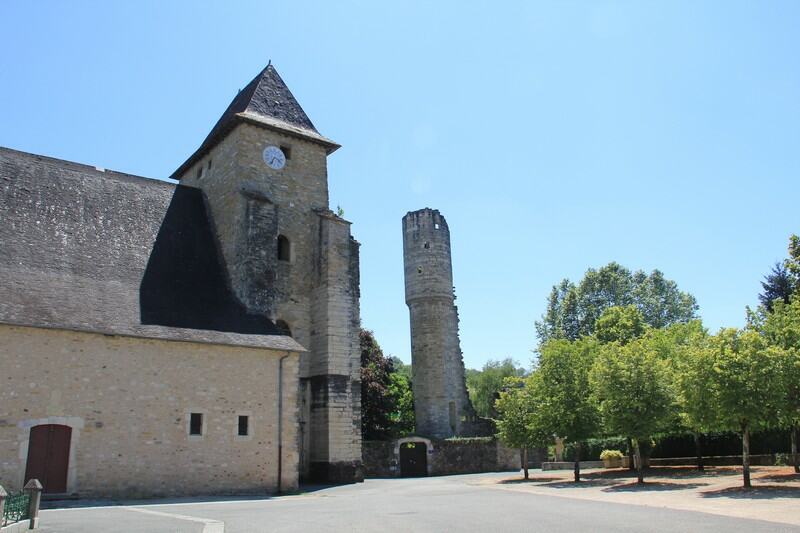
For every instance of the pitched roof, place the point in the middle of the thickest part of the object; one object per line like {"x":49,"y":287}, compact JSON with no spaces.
{"x":265,"y":101}
{"x":101,"y":251}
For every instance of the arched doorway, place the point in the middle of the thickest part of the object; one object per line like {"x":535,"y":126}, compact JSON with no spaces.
{"x":413,"y":459}
{"x":48,"y":456}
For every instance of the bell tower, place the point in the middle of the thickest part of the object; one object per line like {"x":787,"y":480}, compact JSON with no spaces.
{"x":289,"y":258}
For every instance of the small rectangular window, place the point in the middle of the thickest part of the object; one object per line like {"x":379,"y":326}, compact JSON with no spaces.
{"x":196,"y":424}
{"x":209,"y":163}
{"x":200,"y":172}
{"x":244,"y":430}
{"x":287,"y":151}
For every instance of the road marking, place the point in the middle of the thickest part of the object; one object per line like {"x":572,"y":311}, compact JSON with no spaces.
{"x":209,"y":526}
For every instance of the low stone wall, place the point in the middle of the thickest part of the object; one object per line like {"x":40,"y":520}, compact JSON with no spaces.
{"x":452,"y":456}
{"x":721,"y":460}
{"x":568,"y":465}
{"x":379,"y":458}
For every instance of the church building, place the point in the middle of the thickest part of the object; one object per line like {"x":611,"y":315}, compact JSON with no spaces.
{"x":198,"y":337}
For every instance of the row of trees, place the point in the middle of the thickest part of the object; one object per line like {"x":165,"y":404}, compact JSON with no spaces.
{"x":635,"y":377}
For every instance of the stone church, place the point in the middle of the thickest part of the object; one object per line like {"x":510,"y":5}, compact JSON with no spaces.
{"x":190,"y":338}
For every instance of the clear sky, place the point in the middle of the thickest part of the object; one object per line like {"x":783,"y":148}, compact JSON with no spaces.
{"x":554,"y":136}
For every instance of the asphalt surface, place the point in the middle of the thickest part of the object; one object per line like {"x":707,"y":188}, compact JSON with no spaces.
{"x":452,"y":503}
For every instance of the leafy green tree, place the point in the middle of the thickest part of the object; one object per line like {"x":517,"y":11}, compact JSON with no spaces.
{"x":572,"y":310}
{"x":620,"y":324}
{"x":781,"y":328}
{"x":560,"y":386}
{"x":632,"y":387}
{"x":484,"y":385}
{"x":516,"y":427}
{"x":693,"y":376}
{"x":747,"y":384}
{"x":402,"y":400}
{"x":793,"y":262}
{"x":401,"y":368}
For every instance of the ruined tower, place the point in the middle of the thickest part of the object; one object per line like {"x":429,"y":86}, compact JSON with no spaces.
{"x":441,"y":404}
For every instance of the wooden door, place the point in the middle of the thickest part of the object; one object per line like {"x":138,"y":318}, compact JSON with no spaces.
{"x":48,"y":456}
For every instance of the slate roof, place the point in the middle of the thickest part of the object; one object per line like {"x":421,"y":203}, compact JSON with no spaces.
{"x":265,"y":101}
{"x":101,"y":251}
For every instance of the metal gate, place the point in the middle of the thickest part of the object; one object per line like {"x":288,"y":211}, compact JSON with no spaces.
{"x":413,"y":459}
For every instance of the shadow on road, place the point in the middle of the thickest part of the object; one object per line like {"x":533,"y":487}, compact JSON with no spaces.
{"x":653,"y":486}
{"x":758,"y":492}
{"x":537,"y":479}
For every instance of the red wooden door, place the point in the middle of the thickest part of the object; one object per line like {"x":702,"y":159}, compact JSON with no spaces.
{"x":48,"y":456}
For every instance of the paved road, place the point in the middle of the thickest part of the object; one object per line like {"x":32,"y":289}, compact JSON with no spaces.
{"x":453,"y":503}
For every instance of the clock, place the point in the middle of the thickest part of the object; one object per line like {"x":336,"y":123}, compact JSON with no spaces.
{"x":274,"y":157}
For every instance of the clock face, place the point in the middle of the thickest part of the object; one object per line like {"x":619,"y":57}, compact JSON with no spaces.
{"x":274,"y":157}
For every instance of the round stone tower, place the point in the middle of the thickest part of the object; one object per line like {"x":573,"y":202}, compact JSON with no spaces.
{"x":441,"y":404}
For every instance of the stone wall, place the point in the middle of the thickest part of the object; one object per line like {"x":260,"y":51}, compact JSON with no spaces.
{"x":128,"y":401}
{"x":315,"y":292}
{"x":380,"y":459}
{"x":445,"y":457}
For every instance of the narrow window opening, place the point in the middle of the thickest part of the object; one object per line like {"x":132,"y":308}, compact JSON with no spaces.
{"x":284,"y":248}
{"x":209,"y":163}
{"x":244,"y":428}
{"x":436,"y":226}
{"x":427,"y":245}
{"x":287,"y":152}
{"x":196,"y":424}
{"x":419,"y":270}
{"x":200,"y":172}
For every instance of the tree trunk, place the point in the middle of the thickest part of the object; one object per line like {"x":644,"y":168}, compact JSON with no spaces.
{"x":698,"y":446}
{"x":577,"y":469}
{"x":795,"y":458}
{"x":746,"y":455}
{"x":631,"y":461}
{"x":524,"y":453}
{"x":638,"y":456}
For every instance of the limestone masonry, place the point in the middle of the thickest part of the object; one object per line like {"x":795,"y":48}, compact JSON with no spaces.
{"x":190,"y":338}
{"x":441,"y":404}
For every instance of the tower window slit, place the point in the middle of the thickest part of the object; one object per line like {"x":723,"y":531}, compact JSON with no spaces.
{"x":284,"y":248}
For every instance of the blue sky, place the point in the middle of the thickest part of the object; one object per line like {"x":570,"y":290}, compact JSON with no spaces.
{"x":554,"y":136}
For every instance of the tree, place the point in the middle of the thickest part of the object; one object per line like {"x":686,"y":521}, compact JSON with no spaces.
{"x":387,"y":404}
{"x":693,"y":376}
{"x":401,"y":368}
{"x":484,"y":385}
{"x":402,"y":399}
{"x":792,"y":263}
{"x":560,"y":386}
{"x":516,"y":409}
{"x":777,"y":285}
{"x":746,"y":383}
{"x":620,"y":324}
{"x":572,"y":310}
{"x":376,"y":403}
{"x":781,"y":328}
{"x":632,"y":388}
